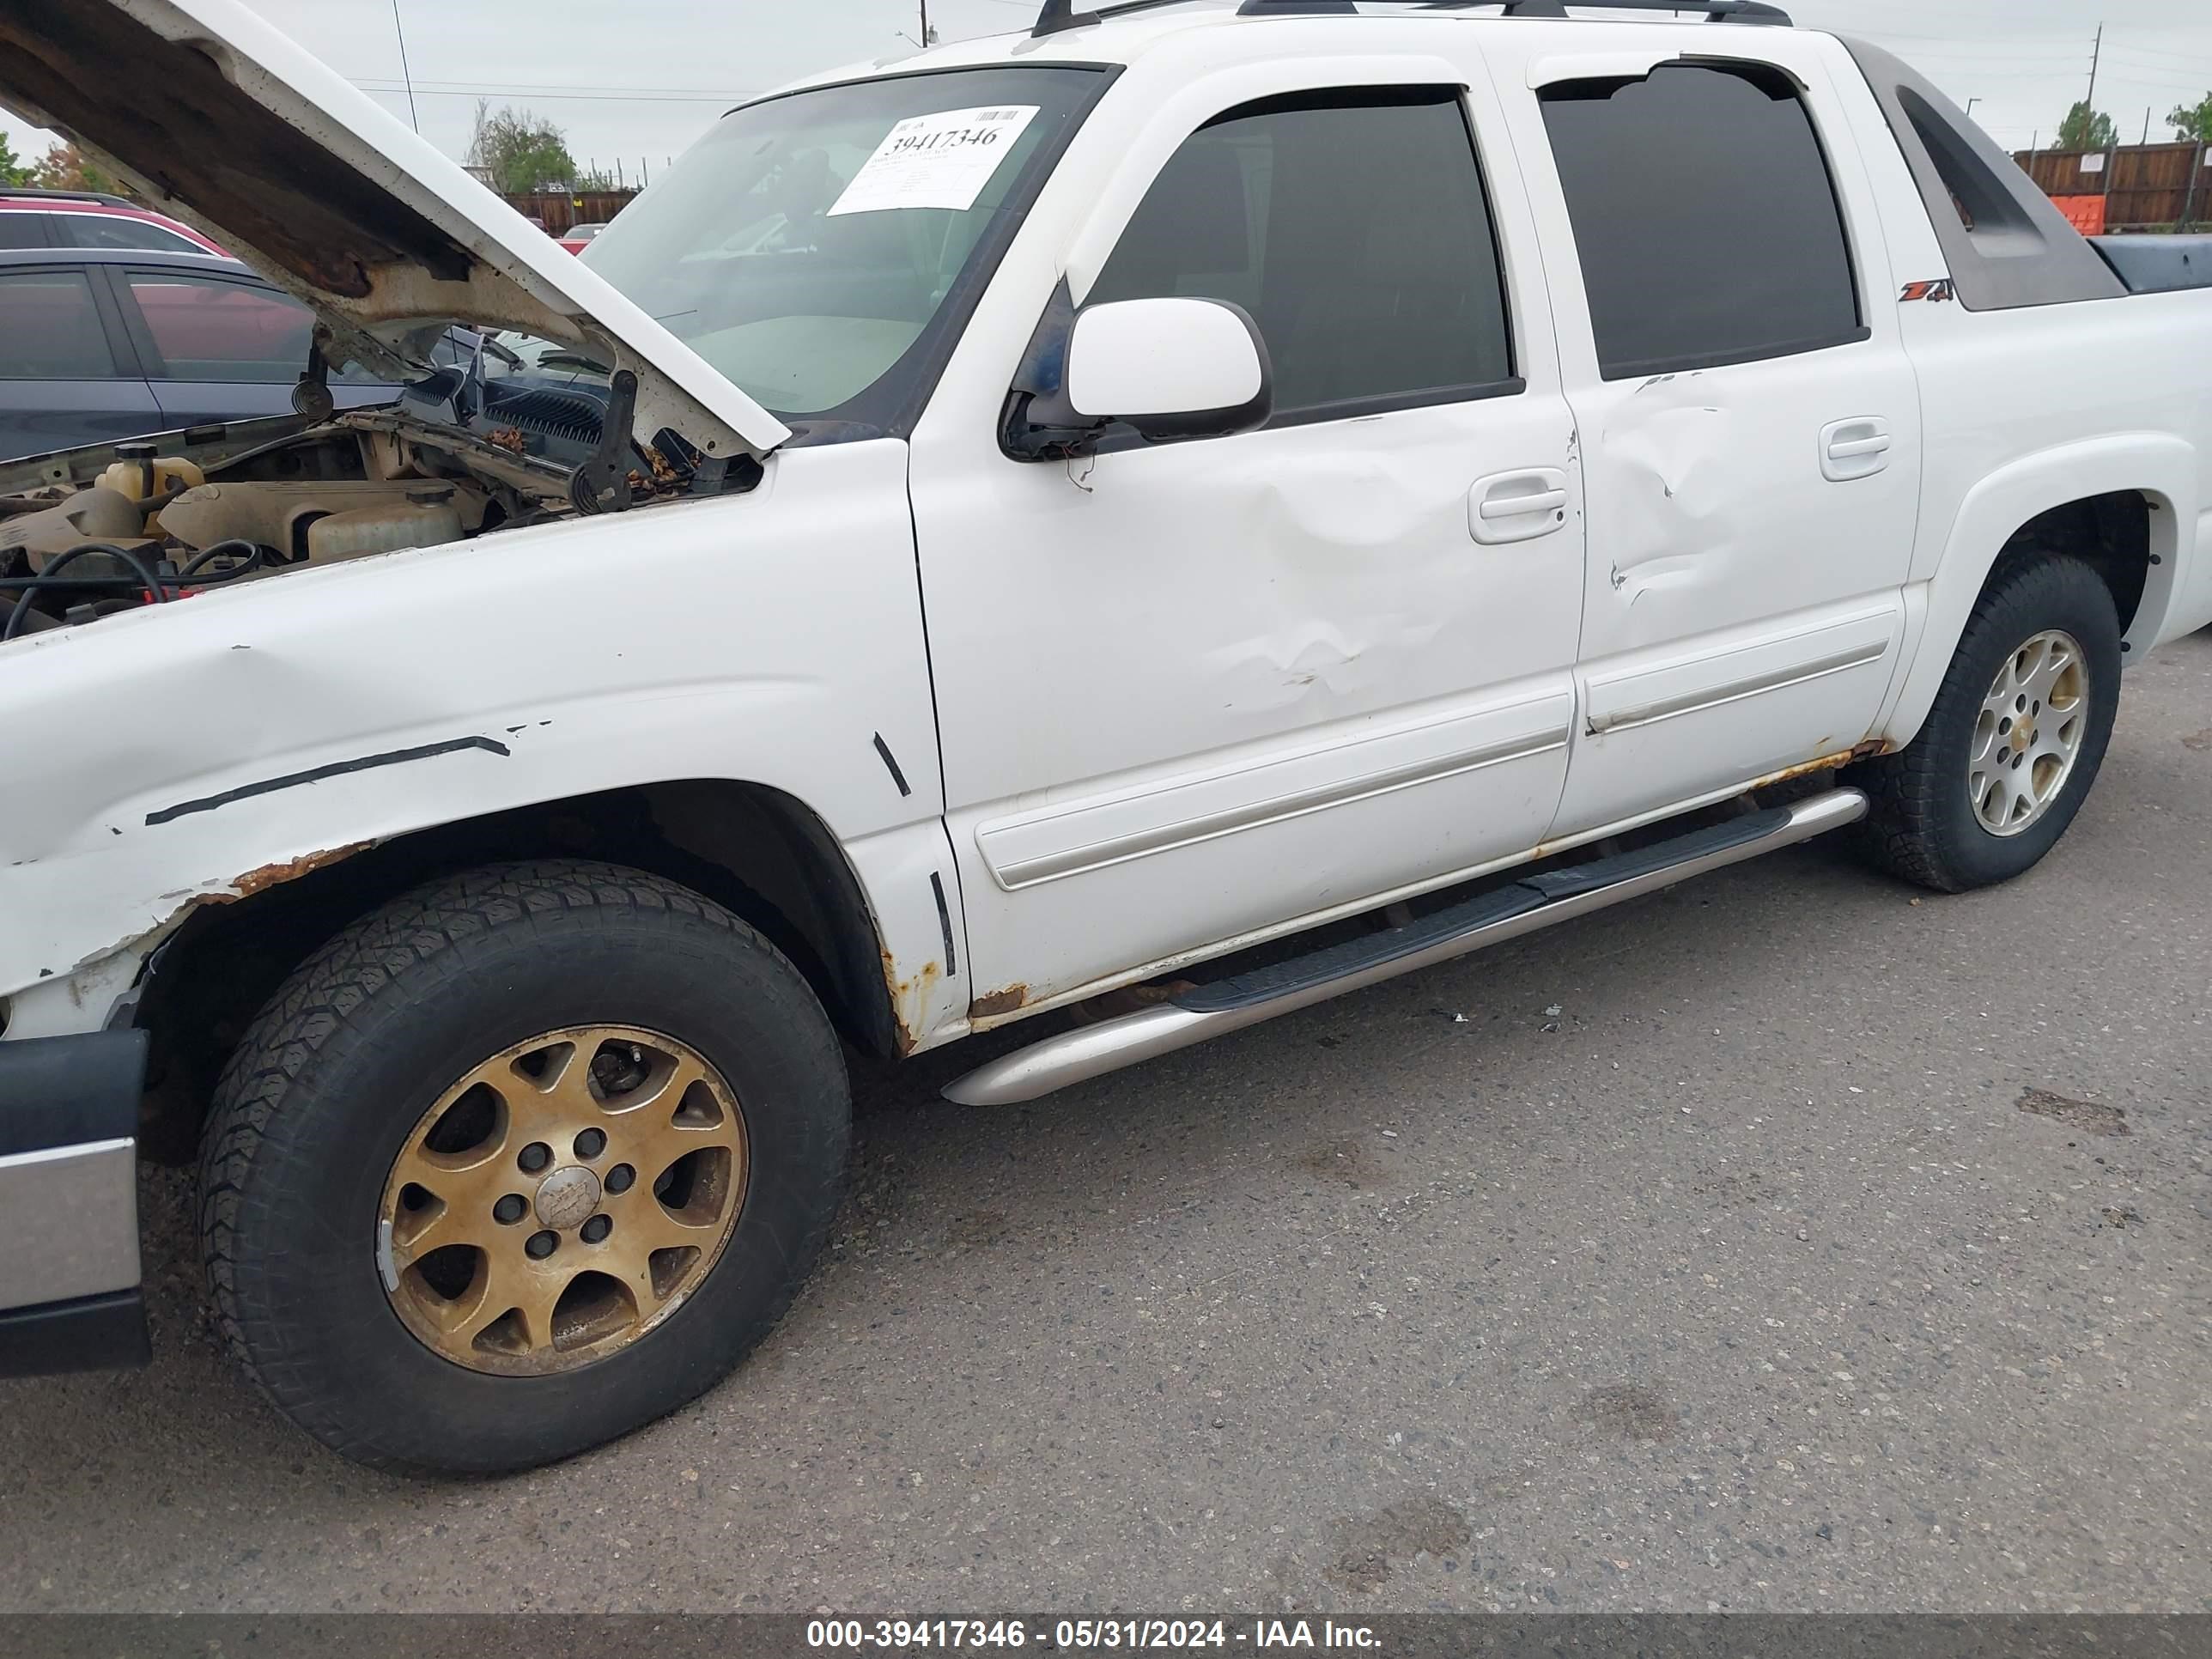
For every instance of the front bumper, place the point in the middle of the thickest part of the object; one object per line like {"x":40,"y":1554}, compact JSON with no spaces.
{"x":69,"y":1203}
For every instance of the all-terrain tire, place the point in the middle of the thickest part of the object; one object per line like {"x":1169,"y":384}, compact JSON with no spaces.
{"x":336,"y":1074}
{"x":1921,"y":824}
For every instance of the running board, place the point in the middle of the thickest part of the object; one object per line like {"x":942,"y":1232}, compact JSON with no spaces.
{"x":1491,"y":918}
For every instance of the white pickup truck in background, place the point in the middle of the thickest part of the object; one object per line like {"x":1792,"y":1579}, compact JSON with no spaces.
{"x":1239,"y":502}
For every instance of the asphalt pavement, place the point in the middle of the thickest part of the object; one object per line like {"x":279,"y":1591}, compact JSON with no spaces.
{"x":1790,"y":1240}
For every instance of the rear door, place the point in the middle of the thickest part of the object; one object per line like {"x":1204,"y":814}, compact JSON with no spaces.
{"x":222,"y":347}
{"x":1749,"y":421}
{"x":67,"y":375}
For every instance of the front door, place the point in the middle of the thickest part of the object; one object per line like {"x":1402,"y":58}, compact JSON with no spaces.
{"x":1190,"y":691}
{"x":1749,"y":421}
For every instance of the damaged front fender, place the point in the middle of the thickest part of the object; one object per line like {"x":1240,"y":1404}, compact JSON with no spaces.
{"x":199,"y":753}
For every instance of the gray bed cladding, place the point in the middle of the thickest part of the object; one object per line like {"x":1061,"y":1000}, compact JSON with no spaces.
{"x":2020,"y":250}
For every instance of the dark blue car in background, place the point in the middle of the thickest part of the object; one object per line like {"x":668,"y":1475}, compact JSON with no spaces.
{"x":102,"y":344}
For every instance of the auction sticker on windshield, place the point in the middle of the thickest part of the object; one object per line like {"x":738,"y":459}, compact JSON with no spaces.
{"x":940,"y":160}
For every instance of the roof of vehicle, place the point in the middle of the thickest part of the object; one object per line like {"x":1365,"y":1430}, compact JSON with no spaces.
{"x":41,"y":196}
{"x":93,"y":204}
{"x":1125,"y":35}
{"x":201,"y":265}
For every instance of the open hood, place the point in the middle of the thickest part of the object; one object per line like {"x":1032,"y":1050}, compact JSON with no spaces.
{"x":218,"y":117}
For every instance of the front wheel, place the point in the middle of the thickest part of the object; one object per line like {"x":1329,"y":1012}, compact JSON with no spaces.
{"x":2015,"y":739}
{"x":518,"y":1162}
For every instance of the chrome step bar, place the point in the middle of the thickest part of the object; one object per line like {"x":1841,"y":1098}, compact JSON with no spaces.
{"x":1521,"y":908}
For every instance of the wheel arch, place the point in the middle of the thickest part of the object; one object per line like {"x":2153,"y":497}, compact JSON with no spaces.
{"x":2121,"y":504}
{"x":757,"y":850}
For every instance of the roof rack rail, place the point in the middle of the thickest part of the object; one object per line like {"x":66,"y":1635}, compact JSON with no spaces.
{"x":1717,"y":11}
{"x":1058,"y":15}
{"x":1061,"y":15}
{"x":104,"y":197}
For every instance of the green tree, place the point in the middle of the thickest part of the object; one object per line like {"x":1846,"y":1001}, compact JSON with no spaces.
{"x":13,"y":171}
{"x":64,"y":167}
{"x":519,"y":152}
{"x":2086,"y":129}
{"x":2193,"y":121}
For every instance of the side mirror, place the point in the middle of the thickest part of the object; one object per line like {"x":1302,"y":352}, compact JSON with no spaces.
{"x":1171,"y":369}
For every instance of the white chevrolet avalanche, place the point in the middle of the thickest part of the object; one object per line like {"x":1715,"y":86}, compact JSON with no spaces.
{"x":1217,"y":504}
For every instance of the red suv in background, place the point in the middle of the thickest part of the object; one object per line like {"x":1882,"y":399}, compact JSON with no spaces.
{"x":72,"y":218}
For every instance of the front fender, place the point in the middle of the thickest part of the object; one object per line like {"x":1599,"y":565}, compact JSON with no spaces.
{"x":1950,"y":572}
{"x":194,"y":752}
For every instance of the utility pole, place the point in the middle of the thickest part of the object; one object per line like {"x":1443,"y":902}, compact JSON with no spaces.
{"x":2096,"y":55}
{"x":2146,"y":138}
{"x":407,"y":79}
{"x":925,"y":41}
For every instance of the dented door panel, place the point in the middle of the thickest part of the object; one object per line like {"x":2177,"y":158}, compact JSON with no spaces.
{"x":1743,"y":607}
{"x":1254,"y":679}
{"x":1266,"y":675}
{"x":1736,"y":620}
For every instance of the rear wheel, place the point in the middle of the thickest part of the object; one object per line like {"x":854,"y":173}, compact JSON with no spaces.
{"x":522,"y":1160}
{"x":2015,"y":739}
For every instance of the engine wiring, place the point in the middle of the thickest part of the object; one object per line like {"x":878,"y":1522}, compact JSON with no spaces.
{"x":154,"y":581}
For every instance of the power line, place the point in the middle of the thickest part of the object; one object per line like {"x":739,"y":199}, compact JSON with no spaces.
{"x":405,"y":74}
{"x":722,"y":98}
{"x":583,"y":86}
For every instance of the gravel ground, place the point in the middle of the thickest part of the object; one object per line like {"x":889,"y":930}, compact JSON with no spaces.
{"x":1789,"y":1241}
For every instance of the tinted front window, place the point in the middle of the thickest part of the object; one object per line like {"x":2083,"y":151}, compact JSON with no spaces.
{"x":49,"y":328}
{"x":1706,"y":222}
{"x":806,"y":254}
{"x":209,"y":330}
{"x":1351,"y":226}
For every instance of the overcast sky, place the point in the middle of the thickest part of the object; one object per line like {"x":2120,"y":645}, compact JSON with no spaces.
{"x":636,"y":81}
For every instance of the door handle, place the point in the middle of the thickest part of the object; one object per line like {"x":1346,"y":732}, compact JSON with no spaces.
{"x":1857,"y":448}
{"x":1511,"y":506}
{"x":1517,"y":507}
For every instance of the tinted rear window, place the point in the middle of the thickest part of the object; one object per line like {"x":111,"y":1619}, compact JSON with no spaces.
{"x":49,"y":328}
{"x":22,"y":230}
{"x":1705,"y":219}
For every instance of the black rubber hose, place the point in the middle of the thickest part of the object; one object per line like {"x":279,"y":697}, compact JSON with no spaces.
{"x":251,"y":556}
{"x":146,"y":579}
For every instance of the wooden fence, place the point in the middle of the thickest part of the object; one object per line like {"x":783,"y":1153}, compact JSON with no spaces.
{"x":2129,"y":186}
{"x":558,"y":209}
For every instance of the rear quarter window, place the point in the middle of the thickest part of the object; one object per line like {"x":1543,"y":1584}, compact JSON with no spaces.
{"x":113,"y":230}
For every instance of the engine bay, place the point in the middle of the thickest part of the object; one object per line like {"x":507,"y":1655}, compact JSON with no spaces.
{"x":153,"y":527}
{"x":121,"y":526}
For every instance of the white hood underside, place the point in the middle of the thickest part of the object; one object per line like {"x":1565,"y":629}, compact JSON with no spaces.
{"x":216,"y":117}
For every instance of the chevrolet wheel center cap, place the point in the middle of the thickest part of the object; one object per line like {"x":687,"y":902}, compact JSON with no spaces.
{"x":568,"y":1198}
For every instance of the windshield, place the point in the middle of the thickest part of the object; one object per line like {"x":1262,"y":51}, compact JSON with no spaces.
{"x":817,"y":248}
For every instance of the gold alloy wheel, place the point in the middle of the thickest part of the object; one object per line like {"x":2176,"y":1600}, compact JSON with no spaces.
{"x":562,"y":1200}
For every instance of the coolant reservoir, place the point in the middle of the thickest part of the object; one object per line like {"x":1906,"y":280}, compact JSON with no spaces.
{"x":142,"y":475}
{"x":425,"y":518}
